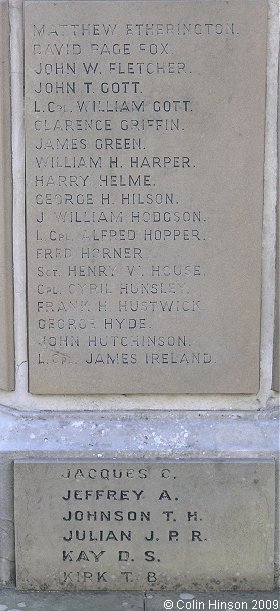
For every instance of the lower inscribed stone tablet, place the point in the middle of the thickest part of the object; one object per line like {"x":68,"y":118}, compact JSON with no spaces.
{"x":145,"y":147}
{"x":109,"y":525}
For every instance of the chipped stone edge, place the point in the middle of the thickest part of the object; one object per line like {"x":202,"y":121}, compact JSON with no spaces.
{"x":276,"y":361}
{"x":6,"y":283}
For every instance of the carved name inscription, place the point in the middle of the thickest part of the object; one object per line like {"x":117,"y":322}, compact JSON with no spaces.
{"x":133,"y":525}
{"x":144,"y":195}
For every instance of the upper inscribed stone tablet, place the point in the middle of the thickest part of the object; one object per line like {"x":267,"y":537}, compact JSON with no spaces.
{"x":145,"y":138}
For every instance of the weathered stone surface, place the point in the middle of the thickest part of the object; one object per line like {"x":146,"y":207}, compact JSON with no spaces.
{"x":276,"y":361}
{"x":66,"y":601}
{"x":144,"y":195}
{"x":119,"y":601}
{"x":6,"y":265}
{"x":108,"y":525}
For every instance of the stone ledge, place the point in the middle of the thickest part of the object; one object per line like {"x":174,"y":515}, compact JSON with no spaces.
{"x":180,"y":434}
{"x":10,"y":600}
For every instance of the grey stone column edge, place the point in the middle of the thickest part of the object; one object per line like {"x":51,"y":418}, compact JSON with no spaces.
{"x":144,"y":436}
{"x":276,"y":361}
{"x":6,"y":266}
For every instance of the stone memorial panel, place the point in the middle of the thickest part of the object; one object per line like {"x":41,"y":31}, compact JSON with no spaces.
{"x":145,"y":145}
{"x":108,"y":525}
{"x":6,"y":265}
